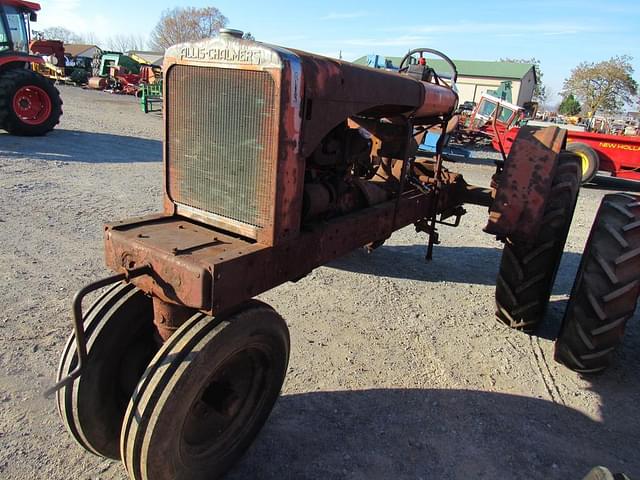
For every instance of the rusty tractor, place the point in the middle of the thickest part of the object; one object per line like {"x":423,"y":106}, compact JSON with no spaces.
{"x":277,"y":161}
{"x":29,"y":103}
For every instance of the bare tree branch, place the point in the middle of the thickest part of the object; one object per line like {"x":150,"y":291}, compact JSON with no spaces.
{"x":61,"y":33}
{"x":186,"y":24}
{"x":125,"y":43}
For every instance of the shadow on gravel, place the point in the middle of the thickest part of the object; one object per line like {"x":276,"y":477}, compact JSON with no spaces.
{"x":441,"y":434}
{"x":477,"y":265}
{"x":464,"y":265}
{"x":612,"y":183}
{"x":75,"y":146}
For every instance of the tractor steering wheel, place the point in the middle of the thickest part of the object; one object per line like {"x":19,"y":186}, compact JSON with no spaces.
{"x":422,"y":51}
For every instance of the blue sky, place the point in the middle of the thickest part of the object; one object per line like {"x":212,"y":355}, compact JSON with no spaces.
{"x":560,"y":33}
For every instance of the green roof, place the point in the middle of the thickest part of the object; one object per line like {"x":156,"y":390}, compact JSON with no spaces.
{"x":469,"y":68}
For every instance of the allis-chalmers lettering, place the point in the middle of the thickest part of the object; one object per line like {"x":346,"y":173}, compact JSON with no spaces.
{"x":252,"y":57}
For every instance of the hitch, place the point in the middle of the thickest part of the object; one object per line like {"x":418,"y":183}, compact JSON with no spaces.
{"x":78,"y":324}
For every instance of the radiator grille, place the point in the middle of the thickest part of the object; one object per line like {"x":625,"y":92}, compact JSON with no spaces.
{"x":221,"y":141}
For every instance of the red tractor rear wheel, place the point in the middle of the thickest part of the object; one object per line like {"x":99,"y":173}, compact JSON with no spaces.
{"x":29,"y":103}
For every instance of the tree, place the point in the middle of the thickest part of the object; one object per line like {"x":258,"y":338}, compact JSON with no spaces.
{"x":248,"y":36}
{"x":186,"y":24}
{"x":569,"y":106}
{"x":540,"y":94}
{"x":90,"y":38}
{"x":603,"y":87}
{"x":125,"y":43}
{"x":549,"y":103}
{"x":61,"y":33}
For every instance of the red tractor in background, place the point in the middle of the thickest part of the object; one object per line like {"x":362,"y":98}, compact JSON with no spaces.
{"x":499,"y":121}
{"x":29,"y":103}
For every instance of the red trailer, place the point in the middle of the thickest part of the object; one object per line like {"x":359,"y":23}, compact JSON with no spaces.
{"x":617,"y":154}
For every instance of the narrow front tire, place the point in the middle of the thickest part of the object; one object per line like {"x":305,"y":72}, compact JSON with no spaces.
{"x":206,"y":395}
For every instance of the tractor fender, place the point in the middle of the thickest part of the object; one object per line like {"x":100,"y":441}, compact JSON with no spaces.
{"x":524,"y":185}
{"x":12,"y":62}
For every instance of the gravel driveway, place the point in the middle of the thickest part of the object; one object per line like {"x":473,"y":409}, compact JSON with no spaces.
{"x":398,"y":368}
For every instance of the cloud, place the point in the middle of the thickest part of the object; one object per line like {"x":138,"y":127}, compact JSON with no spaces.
{"x":405,"y":40}
{"x":593,"y":7}
{"x":501,"y":29}
{"x":561,"y":32}
{"x":285,"y":39}
{"x":72,"y":15}
{"x":346,"y":55}
{"x":345,"y":15}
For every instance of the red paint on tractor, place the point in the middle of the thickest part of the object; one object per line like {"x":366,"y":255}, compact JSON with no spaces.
{"x":32,"y":105}
{"x":31,"y":6}
{"x":20,"y":59}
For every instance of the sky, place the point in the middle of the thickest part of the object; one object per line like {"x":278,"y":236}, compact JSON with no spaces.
{"x":560,"y":33}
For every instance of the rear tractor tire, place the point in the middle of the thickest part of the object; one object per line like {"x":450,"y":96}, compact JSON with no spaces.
{"x":206,"y":395}
{"x":605,"y":293}
{"x":589,"y":160}
{"x":528,"y":270}
{"x":29,"y":103}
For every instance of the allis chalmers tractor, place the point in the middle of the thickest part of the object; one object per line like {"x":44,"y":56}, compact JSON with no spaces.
{"x":276,"y":162}
{"x":29,"y":103}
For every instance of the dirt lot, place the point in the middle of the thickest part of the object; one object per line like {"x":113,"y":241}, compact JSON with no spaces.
{"x":398,"y":368}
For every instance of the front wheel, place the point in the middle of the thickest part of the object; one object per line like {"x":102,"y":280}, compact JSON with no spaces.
{"x":120,"y":342}
{"x":29,"y":103}
{"x":528,"y":269}
{"x":205,"y":395}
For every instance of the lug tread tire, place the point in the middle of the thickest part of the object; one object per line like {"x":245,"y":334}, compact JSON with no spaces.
{"x":10,"y":82}
{"x":605,"y":294}
{"x":146,"y":450}
{"x":527,"y":271}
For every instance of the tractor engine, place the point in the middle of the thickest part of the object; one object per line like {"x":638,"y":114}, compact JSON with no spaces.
{"x":337,"y":173}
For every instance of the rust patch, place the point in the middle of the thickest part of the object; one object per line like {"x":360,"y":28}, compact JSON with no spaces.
{"x":168,"y":317}
{"x":525,"y":184}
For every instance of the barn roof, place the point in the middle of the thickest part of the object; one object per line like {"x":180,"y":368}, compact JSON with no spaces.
{"x":76,"y":49}
{"x":470,"y":68}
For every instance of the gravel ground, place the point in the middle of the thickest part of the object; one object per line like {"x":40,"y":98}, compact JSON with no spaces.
{"x":398,"y":368}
